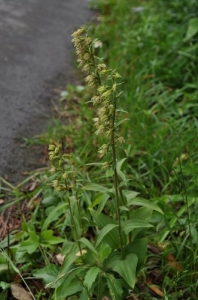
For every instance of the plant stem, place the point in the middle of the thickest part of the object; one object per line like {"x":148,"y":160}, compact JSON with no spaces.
{"x":116,"y":179}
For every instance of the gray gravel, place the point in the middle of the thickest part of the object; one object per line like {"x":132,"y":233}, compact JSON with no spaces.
{"x":35,"y":57}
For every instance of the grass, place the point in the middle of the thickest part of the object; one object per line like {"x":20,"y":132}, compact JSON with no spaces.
{"x":146,"y":43}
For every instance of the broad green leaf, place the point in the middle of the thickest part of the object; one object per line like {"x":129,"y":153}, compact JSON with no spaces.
{"x":127,"y":269}
{"x":31,"y":244}
{"x":129,"y":225}
{"x":83,"y":296}
{"x":89,"y":245}
{"x":142,"y":213}
{"x":138,"y":247}
{"x":104,"y":232}
{"x":4,"y":268}
{"x":4,"y":295}
{"x":68,"y":261}
{"x":192,"y":29}
{"x":104,"y":251}
{"x":69,"y":283}
{"x":129,"y":194}
{"x":50,"y":201}
{"x":112,"y":259}
{"x":91,"y":276}
{"x":115,"y":287}
{"x":144,"y":203}
{"x":4,"y":285}
{"x":102,"y":220}
{"x":120,"y":165}
{"x":95,"y":187}
{"x":64,"y":290}
{"x":123,"y":208}
{"x":100,"y":200}
{"x":47,"y":238}
{"x":47,"y":274}
{"x":52,"y":215}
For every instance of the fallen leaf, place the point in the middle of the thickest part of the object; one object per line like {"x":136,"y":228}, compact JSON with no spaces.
{"x":1,"y":201}
{"x":80,"y":253}
{"x":174,"y":264}
{"x":19,"y":293}
{"x":154,"y":288}
{"x":60,"y":258}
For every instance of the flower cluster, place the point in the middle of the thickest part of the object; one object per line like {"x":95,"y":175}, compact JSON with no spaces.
{"x":104,"y":83}
{"x":61,"y":169}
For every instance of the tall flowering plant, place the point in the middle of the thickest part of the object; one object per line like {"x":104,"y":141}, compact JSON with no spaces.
{"x":108,"y":263}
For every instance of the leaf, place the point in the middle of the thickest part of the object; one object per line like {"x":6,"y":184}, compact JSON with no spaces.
{"x":112,"y":239}
{"x":127,"y":268}
{"x":51,"y":216}
{"x":48,"y":238}
{"x":69,"y":259}
{"x":4,"y":268}
{"x":19,"y":292}
{"x":100,"y":200}
{"x":91,"y":276}
{"x":89,"y":245}
{"x":4,"y":285}
{"x":155,"y":288}
{"x":104,"y":232}
{"x":144,"y":203}
{"x":31,"y":244}
{"x":70,"y":285}
{"x":95,"y":187}
{"x":129,"y":225}
{"x":174,"y":264}
{"x":47,"y":274}
{"x":138,"y":247}
{"x":115,"y":287}
{"x":129,"y":194}
{"x":4,"y":295}
{"x":67,"y":290}
{"x":192,"y":29}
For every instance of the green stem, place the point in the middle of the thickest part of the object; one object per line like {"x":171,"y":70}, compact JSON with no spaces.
{"x":116,"y":179}
{"x":124,"y":202}
{"x":73,"y":222}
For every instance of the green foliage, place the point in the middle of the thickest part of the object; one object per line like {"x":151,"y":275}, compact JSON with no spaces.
{"x":98,"y":228}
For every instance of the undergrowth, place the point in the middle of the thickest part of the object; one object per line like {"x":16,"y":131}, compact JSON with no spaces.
{"x":92,"y":225}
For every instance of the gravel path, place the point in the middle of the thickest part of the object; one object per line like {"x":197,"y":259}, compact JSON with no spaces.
{"x":35,"y":57}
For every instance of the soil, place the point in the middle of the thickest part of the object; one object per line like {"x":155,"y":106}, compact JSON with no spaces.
{"x":35,"y":58}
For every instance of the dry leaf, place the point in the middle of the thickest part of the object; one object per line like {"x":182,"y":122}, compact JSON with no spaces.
{"x":173,"y":264}
{"x":80,"y":253}
{"x":1,"y":201}
{"x":60,"y":258}
{"x":154,"y":288}
{"x":19,"y":293}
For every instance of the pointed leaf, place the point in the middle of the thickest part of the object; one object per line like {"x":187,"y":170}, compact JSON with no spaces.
{"x":64,"y":290}
{"x":48,"y":238}
{"x":95,"y":187}
{"x":102,"y":220}
{"x":138,"y":247}
{"x":52,"y":214}
{"x":31,"y":244}
{"x":127,"y":269}
{"x":129,"y":225}
{"x":115,"y":288}
{"x":91,"y":276}
{"x":89,"y":245}
{"x":47,"y":274}
{"x":192,"y":29}
{"x":104,"y":232}
{"x":144,"y":203}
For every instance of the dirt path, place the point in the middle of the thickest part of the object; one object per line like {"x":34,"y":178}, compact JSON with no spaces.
{"x":35,"y":55}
